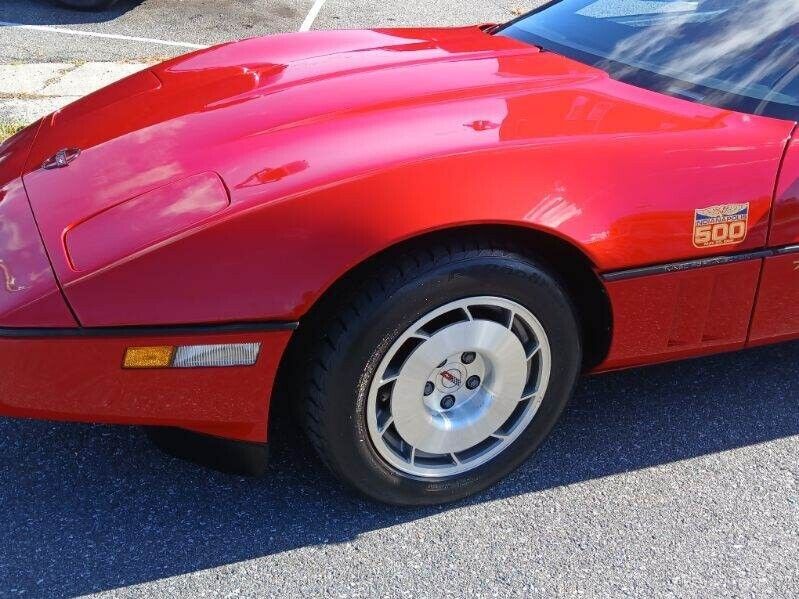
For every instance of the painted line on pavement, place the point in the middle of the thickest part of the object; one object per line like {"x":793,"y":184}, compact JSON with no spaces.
{"x":129,"y":38}
{"x":312,"y":14}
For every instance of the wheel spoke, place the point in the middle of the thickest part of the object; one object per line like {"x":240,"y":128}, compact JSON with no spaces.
{"x":531,"y":395}
{"x":455,"y":459}
{"x":386,"y":426}
{"x":388,"y":379}
{"x":533,"y":351}
{"x":511,"y":319}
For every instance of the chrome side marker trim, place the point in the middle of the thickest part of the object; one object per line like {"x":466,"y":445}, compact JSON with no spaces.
{"x":632,"y":273}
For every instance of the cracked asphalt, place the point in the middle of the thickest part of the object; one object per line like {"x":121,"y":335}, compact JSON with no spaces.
{"x":679,"y":480}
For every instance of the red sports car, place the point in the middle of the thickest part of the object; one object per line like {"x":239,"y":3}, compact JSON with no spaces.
{"x":418,"y":238}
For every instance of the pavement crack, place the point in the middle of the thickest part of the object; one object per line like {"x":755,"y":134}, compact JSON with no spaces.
{"x":59,"y":75}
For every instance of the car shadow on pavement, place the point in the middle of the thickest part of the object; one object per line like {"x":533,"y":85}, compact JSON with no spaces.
{"x":89,"y":508}
{"x":49,"y":12}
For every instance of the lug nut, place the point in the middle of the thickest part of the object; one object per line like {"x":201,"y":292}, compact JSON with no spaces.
{"x":468,"y":357}
{"x":428,"y":388}
{"x":447,"y":402}
{"x":473,"y":382}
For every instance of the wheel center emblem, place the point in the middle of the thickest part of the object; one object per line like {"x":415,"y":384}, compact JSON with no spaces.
{"x":451,"y":378}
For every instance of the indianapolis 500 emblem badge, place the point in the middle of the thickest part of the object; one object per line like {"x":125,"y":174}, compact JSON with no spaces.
{"x":720,"y":225}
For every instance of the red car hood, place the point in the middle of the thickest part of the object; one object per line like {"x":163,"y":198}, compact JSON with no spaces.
{"x":218,"y":109}
{"x":265,"y":84}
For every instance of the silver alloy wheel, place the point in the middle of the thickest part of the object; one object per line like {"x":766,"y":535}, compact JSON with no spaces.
{"x":458,"y":386}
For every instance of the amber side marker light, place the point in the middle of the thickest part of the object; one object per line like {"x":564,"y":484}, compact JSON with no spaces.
{"x":192,"y":356}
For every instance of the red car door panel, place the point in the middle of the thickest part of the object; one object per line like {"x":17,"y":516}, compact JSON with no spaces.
{"x":785,"y":215}
{"x":776,"y":315}
{"x":679,"y":314}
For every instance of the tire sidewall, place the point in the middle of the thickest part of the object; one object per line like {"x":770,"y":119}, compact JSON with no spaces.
{"x":512,"y":279}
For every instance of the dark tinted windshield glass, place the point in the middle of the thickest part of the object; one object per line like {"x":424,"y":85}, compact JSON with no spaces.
{"x":741,"y":54}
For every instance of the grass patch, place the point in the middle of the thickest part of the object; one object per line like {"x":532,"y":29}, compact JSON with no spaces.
{"x":7,"y":129}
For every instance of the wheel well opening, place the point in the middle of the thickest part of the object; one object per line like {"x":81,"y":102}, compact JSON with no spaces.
{"x":569,"y":265}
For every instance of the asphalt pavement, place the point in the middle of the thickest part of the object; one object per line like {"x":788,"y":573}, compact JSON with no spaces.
{"x":207,"y":22}
{"x":679,"y":480}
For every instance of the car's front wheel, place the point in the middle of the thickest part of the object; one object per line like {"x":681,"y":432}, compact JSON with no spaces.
{"x":442,"y":373}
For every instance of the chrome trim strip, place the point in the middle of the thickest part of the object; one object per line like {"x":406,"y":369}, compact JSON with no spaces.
{"x":632,"y":273}
{"x":788,"y":249}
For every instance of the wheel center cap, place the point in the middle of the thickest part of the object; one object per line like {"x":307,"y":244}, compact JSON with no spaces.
{"x":451,"y":378}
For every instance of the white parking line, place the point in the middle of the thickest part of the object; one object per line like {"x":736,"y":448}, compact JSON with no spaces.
{"x":311,"y":17}
{"x":129,"y":38}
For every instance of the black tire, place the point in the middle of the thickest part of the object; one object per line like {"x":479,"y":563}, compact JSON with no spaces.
{"x":351,"y":341}
{"x":88,"y":4}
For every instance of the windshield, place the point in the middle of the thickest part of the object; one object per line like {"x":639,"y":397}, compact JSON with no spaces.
{"x":740,"y":54}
